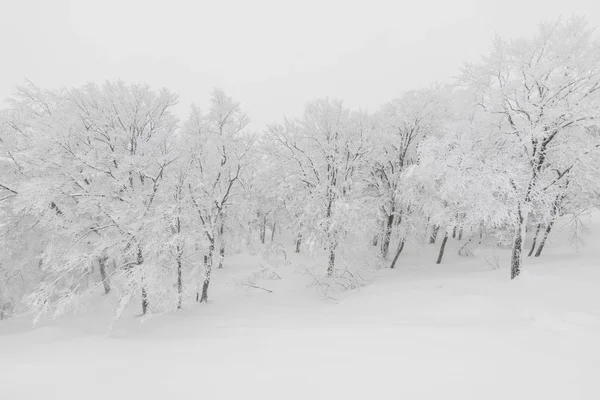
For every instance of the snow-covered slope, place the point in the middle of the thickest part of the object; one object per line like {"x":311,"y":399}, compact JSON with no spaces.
{"x":459,"y":330}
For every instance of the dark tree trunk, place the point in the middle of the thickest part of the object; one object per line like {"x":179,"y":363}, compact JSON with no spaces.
{"x":442,"y":247}
{"x":543,"y":242}
{"x":454,"y":233}
{"x":517,"y":248}
{"x":331,"y":235}
{"x":204,"y":298}
{"x":537,"y":232}
{"x":298,"y":242}
{"x":179,"y":277}
{"x":263,"y":230}
{"x":198,"y":291}
{"x":104,"y":275}
{"x":221,"y":255}
{"x":207,"y":272}
{"x":460,"y":233}
{"x":555,"y":213}
{"x":434,"y":233}
{"x":273,"y":231}
{"x":331,"y":264}
{"x":387,"y":234}
{"x":400,"y":248}
{"x":145,"y":301}
{"x":222,"y":244}
{"x":179,"y":249}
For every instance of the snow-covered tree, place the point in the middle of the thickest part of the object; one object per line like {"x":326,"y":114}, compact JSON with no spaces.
{"x":219,"y":148}
{"x":541,"y":91}
{"x":322,"y":155}
{"x":402,"y":125}
{"x":462,"y":179}
{"x":92,"y":161}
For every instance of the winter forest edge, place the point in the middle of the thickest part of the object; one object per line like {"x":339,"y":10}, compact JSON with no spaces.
{"x":105,"y":193}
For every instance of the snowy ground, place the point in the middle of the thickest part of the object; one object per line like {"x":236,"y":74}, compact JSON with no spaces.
{"x":460,"y":330}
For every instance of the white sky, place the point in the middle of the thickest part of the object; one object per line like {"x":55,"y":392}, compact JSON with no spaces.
{"x":272,"y":55}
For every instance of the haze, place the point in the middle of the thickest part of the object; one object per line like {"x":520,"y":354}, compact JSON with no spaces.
{"x":272,"y":56}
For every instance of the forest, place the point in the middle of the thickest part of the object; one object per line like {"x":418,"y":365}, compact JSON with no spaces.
{"x":106,"y":195}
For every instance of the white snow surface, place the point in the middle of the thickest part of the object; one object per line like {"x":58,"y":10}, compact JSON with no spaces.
{"x":459,"y":330}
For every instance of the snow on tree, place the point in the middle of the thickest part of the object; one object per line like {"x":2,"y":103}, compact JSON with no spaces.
{"x":219,"y":156}
{"x":540,"y":91}
{"x":403,"y":124}
{"x":322,"y":155}
{"x":462,"y":179}
{"x":103,"y":193}
{"x":93,"y":160}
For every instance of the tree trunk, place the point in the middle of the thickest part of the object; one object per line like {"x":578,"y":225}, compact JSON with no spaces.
{"x":331,"y":264}
{"x":298,"y":242}
{"x":221,"y":255}
{"x":555,"y":213}
{"x":480,"y":232}
{"x":434,"y":233}
{"x":273,"y":231}
{"x":387,"y":234}
{"x":222,"y":243}
{"x":400,"y":248}
{"x":375,"y":240}
{"x":179,"y":277}
{"x":460,"y":233}
{"x":263,"y":230}
{"x":543,"y":242}
{"x":103,"y":274}
{"x":179,"y":258}
{"x":207,"y":271}
{"x":442,"y":247}
{"x":331,"y":235}
{"x":199,"y":289}
{"x":145,"y":301}
{"x":454,"y":233}
{"x":517,"y":248}
{"x":537,"y":232}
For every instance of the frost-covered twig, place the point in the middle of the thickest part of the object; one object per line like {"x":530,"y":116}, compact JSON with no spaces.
{"x":255,"y":287}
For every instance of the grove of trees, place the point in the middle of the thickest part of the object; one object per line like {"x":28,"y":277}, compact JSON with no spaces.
{"x":103,"y":191}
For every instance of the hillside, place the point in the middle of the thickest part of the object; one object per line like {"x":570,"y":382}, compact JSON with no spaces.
{"x":459,"y":330}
